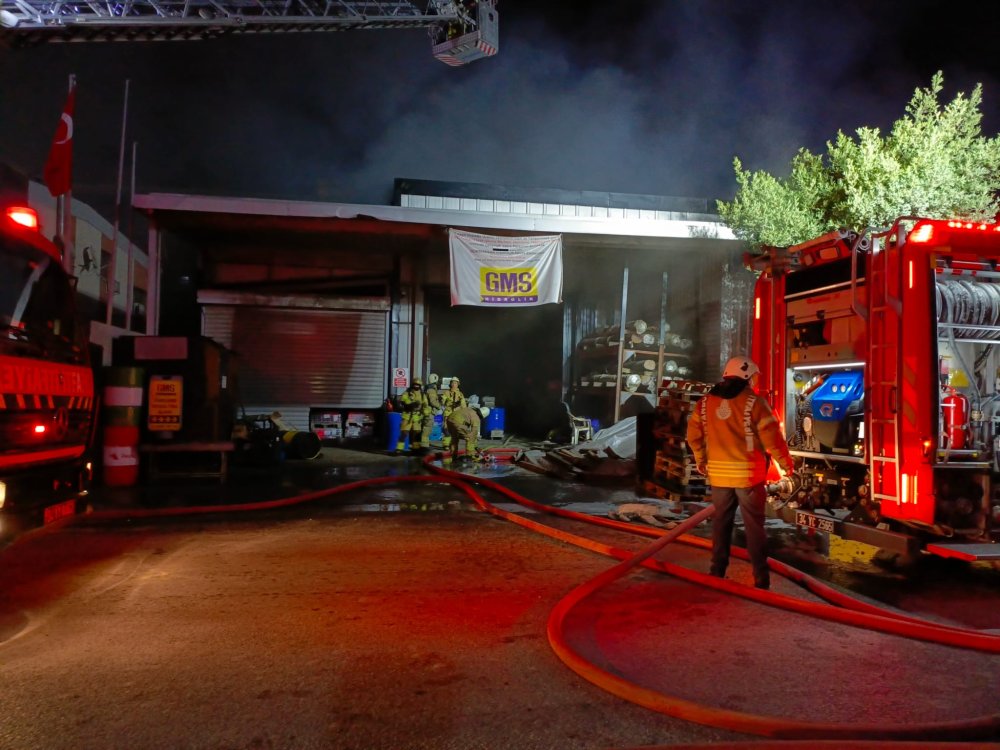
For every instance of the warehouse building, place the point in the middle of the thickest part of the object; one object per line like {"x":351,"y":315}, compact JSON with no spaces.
{"x":325,"y":305}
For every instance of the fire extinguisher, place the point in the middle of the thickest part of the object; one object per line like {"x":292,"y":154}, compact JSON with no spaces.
{"x":956,"y":418}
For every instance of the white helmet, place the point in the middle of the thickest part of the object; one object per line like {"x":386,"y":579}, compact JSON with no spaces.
{"x":740,"y":367}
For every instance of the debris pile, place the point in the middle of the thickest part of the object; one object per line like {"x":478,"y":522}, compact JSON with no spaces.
{"x":608,"y":457}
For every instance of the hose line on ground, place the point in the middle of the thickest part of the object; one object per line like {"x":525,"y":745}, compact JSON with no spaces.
{"x":769,"y":726}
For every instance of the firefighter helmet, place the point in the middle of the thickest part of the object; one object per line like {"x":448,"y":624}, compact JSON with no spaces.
{"x":418,"y":381}
{"x":456,"y":381}
{"x":740,"y":367}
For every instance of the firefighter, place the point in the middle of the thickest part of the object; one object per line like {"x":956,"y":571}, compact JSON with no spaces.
{"x":463,"y":424}
{"x":432,"y":407}
{"x":732,"y":432}
{"x":451,"y":399}
{"x":412,"y":403}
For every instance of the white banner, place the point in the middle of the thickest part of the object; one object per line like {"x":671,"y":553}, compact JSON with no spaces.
{"x":490,"y":271}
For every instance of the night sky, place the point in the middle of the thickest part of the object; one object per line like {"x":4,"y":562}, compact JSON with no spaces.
{"x":637,"y":97}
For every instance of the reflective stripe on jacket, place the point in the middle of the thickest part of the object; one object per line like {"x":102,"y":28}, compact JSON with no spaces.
{"x":731,"y":438}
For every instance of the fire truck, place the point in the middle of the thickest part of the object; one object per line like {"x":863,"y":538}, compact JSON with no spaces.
{"x":879,"y":352}
{"x":46,"y":383}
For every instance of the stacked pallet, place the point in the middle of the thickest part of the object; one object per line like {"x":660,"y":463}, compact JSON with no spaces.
{"x":675,"y":476}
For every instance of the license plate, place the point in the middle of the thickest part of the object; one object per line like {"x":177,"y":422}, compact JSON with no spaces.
{"x":61,"y":510}
{"x":813,"y":522}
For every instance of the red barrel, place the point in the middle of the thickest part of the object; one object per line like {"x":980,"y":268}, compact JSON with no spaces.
{"x":123,"y":392}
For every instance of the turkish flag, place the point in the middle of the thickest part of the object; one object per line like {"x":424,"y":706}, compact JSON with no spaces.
{"x":58,"y":171}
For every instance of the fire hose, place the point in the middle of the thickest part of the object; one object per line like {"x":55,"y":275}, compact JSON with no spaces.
{"x":838,"y":608}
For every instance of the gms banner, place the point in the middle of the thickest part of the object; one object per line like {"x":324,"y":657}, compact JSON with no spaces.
{"x":505,"y":271}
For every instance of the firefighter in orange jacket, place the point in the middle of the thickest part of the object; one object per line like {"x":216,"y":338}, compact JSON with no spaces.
{"x":732,"y":431}
{"x":412,"y":402}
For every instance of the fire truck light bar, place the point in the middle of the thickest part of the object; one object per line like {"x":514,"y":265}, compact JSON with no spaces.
{"x":974,"y":225}
{"x":923,"y":232}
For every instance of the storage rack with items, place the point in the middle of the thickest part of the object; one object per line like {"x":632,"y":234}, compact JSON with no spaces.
{"x":628,"y":359}
{"x":629,"y":364}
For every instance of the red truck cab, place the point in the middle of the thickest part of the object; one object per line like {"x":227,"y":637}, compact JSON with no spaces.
{"x":46,"y":382}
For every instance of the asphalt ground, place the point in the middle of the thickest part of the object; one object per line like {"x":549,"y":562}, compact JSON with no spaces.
{"x":426,"y":630}
{"x":400,"y":617}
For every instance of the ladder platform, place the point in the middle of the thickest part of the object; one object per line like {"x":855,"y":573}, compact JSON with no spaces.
{"x":967,"y":551}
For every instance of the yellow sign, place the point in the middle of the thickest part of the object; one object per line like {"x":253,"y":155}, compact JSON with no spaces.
{"x":166,"y":402}
{"x":508,"y":284}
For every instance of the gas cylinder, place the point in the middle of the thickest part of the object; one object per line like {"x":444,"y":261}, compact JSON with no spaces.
{"x":956,"y":418}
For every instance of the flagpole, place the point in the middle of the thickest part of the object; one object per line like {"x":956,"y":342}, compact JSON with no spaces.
{"x":118,"y":201}
{"x":64,"y":216}
{"x":131,"y":245}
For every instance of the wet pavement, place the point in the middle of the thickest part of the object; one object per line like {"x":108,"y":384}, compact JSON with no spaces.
{"x":931,"y":586}
{"x":397,"y":616}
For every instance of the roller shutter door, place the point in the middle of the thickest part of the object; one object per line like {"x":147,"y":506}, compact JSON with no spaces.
{"x":291,"y":359}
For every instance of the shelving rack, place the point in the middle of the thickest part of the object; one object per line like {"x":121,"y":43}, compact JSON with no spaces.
{"x":617,"y":353}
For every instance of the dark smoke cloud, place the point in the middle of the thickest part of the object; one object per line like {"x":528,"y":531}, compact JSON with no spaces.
{"x":637,"y":97}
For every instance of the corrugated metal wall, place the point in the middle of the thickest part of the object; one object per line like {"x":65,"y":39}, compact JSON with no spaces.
{"x":291,"y":359}
{"x":724,"y":304}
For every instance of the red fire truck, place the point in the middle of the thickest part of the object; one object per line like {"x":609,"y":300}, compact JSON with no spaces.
{"x":879,"y":351}
{"x":46,"y":384}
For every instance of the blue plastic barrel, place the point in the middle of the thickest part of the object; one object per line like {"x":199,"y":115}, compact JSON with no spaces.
{"x":394,"y":422}
{"x":437,"y":431}
{"x":494,"y":421}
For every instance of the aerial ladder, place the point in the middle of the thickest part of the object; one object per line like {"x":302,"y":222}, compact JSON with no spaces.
{"x":460,"y":30}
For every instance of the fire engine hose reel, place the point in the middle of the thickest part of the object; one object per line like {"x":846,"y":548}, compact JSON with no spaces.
{"x":967,"y":303}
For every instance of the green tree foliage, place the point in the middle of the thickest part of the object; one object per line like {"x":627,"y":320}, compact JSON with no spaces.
{"x":935,"y":163}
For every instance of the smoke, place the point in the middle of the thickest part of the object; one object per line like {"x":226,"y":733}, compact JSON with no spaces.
{"x":639,"y":97}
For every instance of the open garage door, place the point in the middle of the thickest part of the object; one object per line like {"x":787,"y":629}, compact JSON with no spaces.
{"x":513,"y":355}
{"x":296,"y":360}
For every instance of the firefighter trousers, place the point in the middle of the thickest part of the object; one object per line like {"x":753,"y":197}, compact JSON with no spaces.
{"x":413,"y":427}
{"x":751,"y":502}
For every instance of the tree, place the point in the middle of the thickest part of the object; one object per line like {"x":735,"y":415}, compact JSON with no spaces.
{"x":934,"y":163}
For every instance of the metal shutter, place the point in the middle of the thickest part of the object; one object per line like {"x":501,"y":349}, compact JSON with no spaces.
{"x":217,"y":324}
{"x":328,"y":358}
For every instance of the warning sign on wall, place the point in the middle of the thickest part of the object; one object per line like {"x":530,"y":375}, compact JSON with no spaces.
{"x":400,"y":377}
{"x":166,"y":402}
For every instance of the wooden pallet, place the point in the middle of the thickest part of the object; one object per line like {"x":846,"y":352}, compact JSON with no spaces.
{"x":688,"y":392}
{"x":676,"y":461}
{"x":690,"y":488}
{"x":681,"y":474}
{"x":659,"y":491}
{"x":682,"y":399}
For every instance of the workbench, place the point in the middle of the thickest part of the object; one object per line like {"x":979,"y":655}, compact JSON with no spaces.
{"x":157,"y":451}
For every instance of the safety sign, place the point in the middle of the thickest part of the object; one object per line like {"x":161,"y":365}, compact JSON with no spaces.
{"x":166,"y":400}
